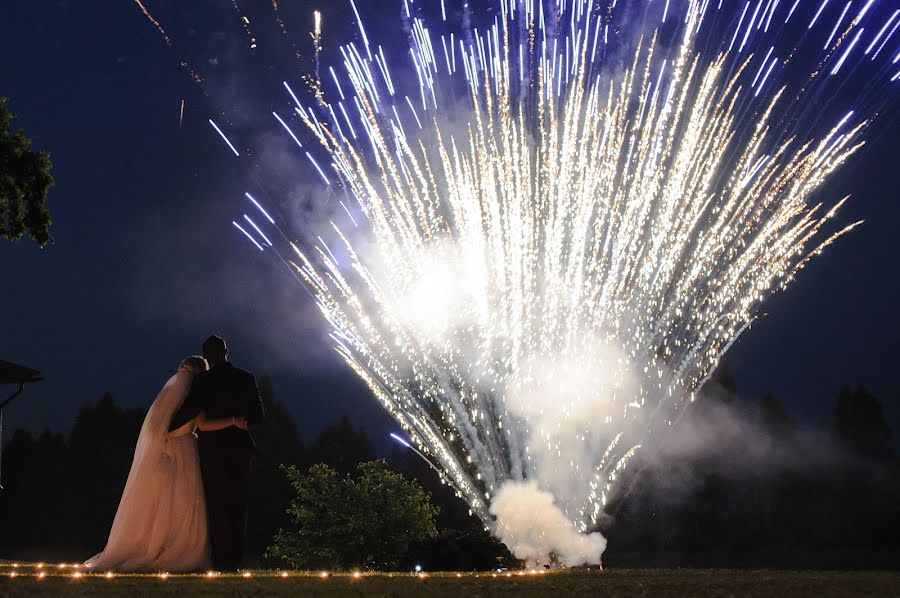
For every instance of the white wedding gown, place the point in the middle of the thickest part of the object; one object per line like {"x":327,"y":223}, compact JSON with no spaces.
{"x":161,"y":521}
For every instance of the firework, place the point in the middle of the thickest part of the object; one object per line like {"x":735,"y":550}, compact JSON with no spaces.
{"x":187,"y":66}
{"x":224,"y":138}
{"x":570,"y":216}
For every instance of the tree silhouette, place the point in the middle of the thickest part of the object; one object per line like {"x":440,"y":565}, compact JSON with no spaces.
{"x":342,"y":447}
{"x":34,"y":516}
{"x":277,"y":443}
{"x":860,"y":425}
{"x":721,"y":384}
{"x":24,"y":182}
{"x":101,"y":448}
{"x":773,"y":419}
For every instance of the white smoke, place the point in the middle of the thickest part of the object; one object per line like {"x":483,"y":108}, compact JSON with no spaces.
{"x":533,"y":527}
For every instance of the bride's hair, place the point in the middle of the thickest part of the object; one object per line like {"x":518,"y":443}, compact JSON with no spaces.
{"x":194,"y":364}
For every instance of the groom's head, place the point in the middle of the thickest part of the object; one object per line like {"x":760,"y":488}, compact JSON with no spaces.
{"x":215,"y":351}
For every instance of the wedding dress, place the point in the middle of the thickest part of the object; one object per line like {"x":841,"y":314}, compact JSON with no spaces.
{"x":161,"y":521}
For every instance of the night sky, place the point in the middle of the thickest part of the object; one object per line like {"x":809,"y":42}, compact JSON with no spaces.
{"x":146,"y":263}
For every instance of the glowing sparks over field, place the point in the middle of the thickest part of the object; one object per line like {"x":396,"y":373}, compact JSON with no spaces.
{"x":555,"y":252}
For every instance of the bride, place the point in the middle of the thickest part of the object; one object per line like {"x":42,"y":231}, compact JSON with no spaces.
{"x":161,"y":521}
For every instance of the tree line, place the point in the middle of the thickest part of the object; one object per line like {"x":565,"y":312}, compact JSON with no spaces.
{"x":62,"y":491}
{"x":738,"y":483}
{"x":758,"y":490}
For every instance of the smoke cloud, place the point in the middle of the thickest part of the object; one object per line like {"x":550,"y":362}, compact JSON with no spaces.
{"x":535,"y":529}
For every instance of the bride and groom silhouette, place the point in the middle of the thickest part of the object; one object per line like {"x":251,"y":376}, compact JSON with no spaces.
{"x":184,"y":507}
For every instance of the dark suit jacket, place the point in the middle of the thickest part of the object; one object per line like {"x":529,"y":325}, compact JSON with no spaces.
{"x":223,"y":391}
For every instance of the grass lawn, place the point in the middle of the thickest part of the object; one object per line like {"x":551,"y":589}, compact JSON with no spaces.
{"x":25,"y":580}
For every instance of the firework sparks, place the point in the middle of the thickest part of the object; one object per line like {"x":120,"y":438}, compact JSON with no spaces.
{"x":224,"y":138}
{"x":560,"y":264}
{"x":315,"y":83}
{"x":189,"y":69}
{"x":155,"y":23}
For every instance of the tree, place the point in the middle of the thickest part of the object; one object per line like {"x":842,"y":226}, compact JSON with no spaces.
{"x":721,"y":384}
{"x":773,"y":419}
{"x":454,"y":511}
{"x":342,"y":447}
{"x":101,"y":449}
{"x":24,"y":182}
{"x":277,"y":442}
{"x":368,"y":521}
{"x":860,"y":424}
{"x":34,"y":512}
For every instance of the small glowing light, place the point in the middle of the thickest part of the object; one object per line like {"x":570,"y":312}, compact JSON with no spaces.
{"x":210,"y":573}
{"x":246,"y":574}
{"x":77,"y":575}
{"x":13,"y":574}
{"x":41,"y":575}
{"x":15,"y":565}
{"x":109,"y":575}
{"x":357,"y":575}
{"x":323,"y":574}
{"x":61,"y":566}
{"x":418,"y":568}
{"x":459,"y":574}
{"x":40,"y":565}
{"x":284,"y":574}
{"x":163,"y":575}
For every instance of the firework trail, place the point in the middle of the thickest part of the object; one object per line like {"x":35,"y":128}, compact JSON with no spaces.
{"x":284,"y":31}
{"x":156,"y":24}
{"x":316,"y":34}
{"x":188,"y":68}
{"x":245,"y":23}
{"x":563,"y":226}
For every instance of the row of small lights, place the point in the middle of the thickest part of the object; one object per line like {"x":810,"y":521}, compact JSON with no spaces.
{"x":211,"y":574}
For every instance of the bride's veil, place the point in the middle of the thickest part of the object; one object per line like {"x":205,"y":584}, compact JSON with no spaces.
{"x":151,"y":470}
{"x":153,"y":440}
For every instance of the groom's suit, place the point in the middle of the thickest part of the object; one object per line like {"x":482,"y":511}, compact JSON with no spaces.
{"x":226,"y":456}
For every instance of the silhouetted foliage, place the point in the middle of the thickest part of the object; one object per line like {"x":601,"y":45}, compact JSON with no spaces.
{"x":342,"y":447}
{"x":452,"y":550}
{"x":103,"y":434}
{"x":63,"y":495}
{"x":344,"y":522}
{"x":739,"y":485}
{"x":860,"y":424}
{"x":773,"y":419}
{"x":24,"y":182}
{"x":277,"y":442}
{"x":760,"y":492}
{"x":724,"y":380}
{"x":34,"y":516}
{"x":454,"y":513}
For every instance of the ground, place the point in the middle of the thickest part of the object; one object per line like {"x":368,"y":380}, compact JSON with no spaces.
{"x":25,"y":580}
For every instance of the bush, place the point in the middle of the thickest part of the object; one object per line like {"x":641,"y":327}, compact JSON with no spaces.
{"x":368,"y":521}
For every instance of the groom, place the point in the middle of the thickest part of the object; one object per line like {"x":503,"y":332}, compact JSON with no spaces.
{"x":226,"y":456}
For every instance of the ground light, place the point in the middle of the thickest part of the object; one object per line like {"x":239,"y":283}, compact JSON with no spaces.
{"x":43,"y":570}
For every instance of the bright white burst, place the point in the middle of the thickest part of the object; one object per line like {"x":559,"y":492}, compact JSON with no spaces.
{"x":557,"y":244}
